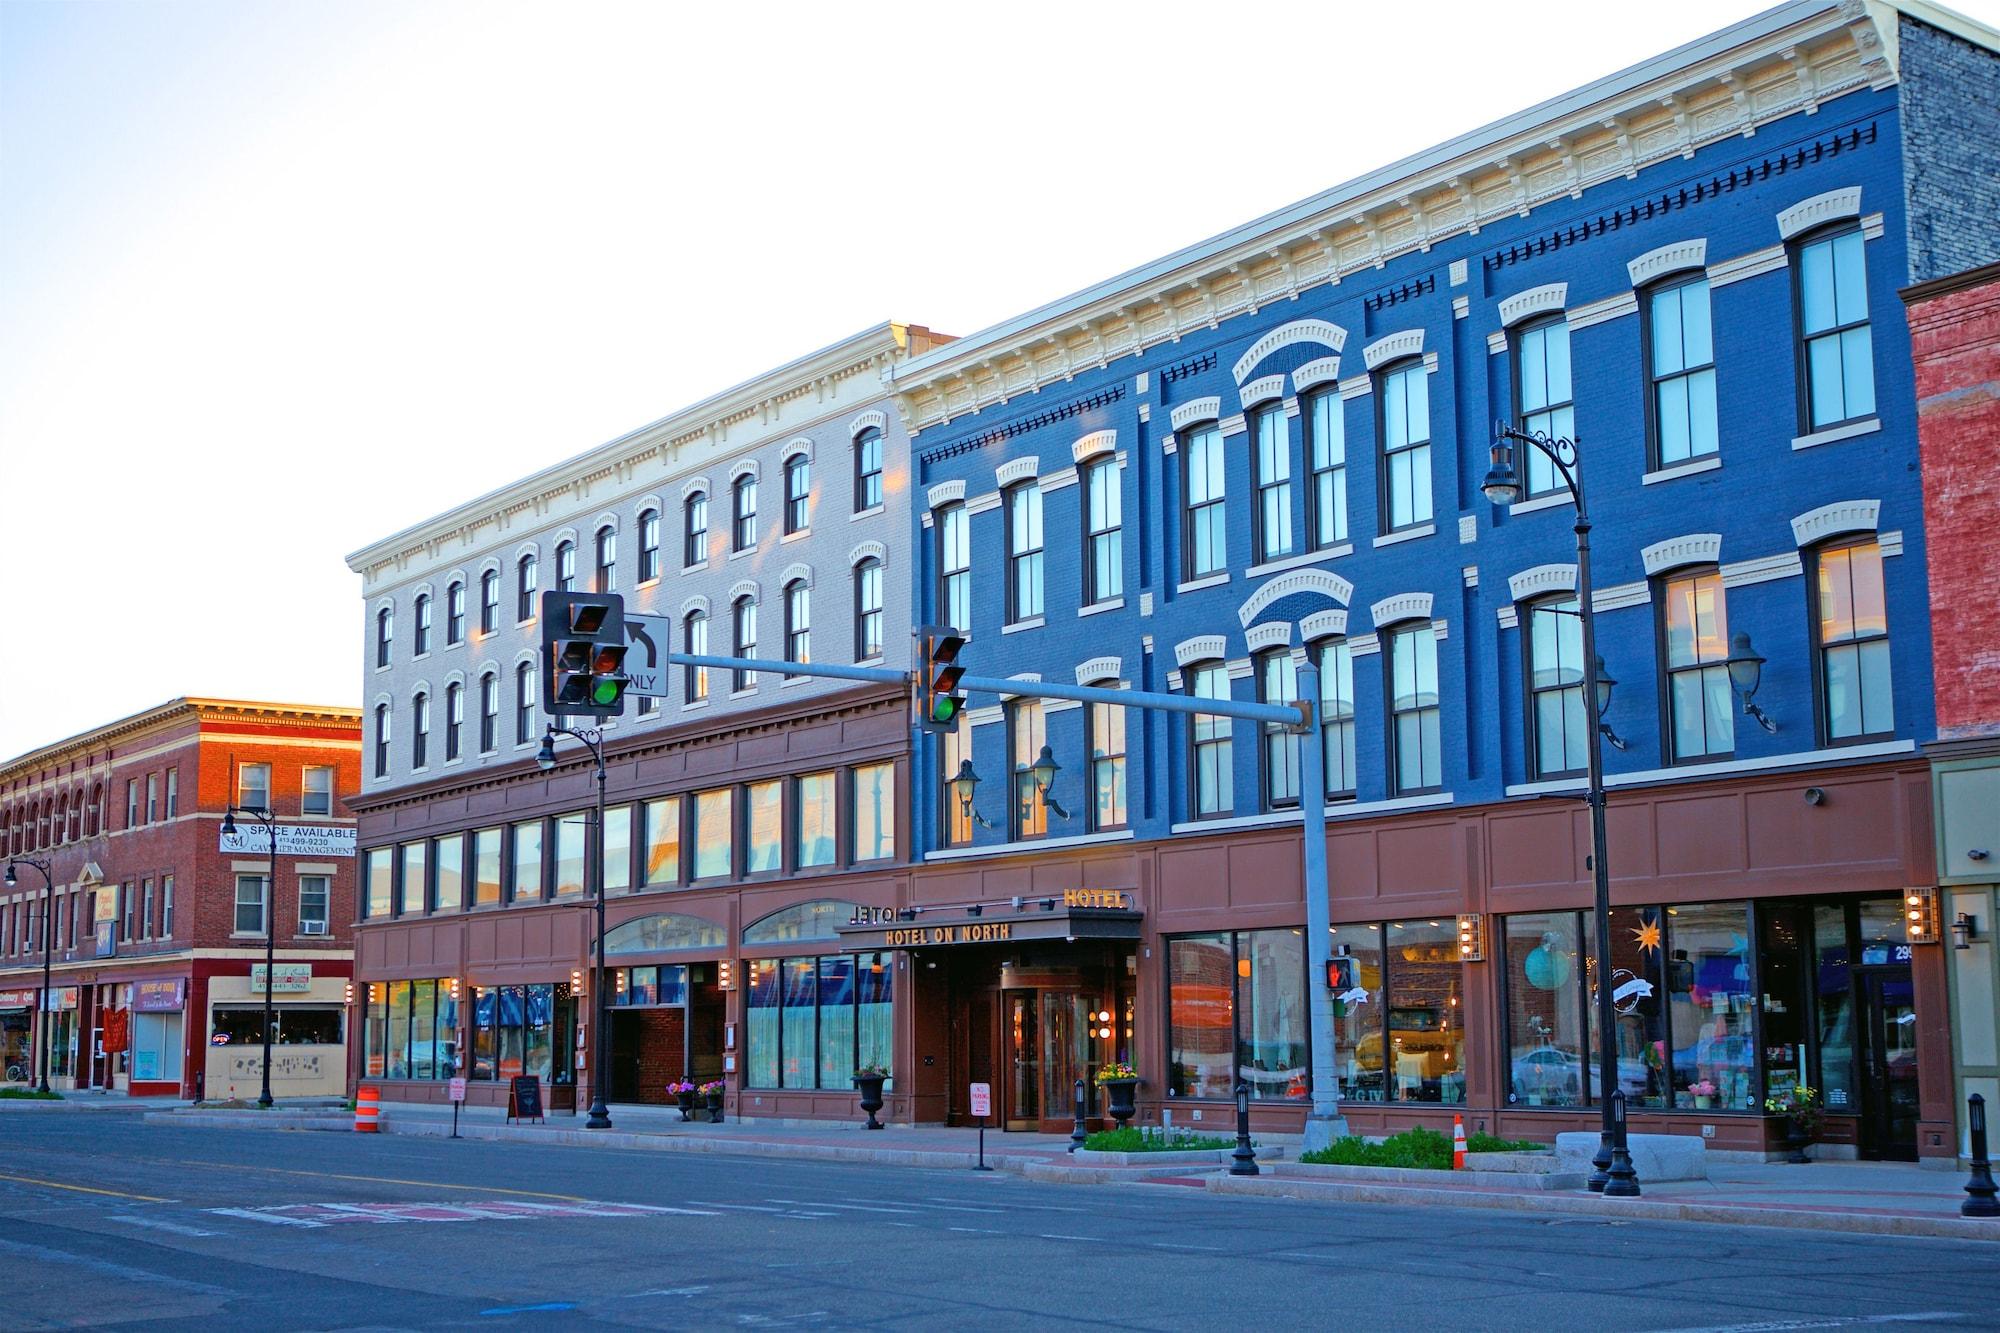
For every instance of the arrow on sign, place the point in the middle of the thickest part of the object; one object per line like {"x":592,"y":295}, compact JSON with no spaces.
{"x":637,"y":633}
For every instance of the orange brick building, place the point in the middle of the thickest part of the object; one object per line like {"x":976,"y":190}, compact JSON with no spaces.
{"x":153,"y":939}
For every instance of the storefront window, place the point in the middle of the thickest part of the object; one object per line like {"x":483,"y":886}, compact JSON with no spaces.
{"x":450,"y":873}
{"x":836,"y":1020}
{"x":1709,"y":1003}
{"x":1545,"y":1031}
{"x":572,"y":835}
{"x":765,"y":828}
{"x":375,"y":1029}
{"x":815,"y":920}
{"x":643,"y":987}
{"x":540,"y":1043}
{"x":399,"y":1029}
{"x":156,"y":1048}
{"x":423,"y":1029}
{"x":1272,"y":1051}
{"x":1781,"y":941}
{"x":712,"y":835}
{"x":1638,"y":996}
{"x":412,"y":884}
{"x":513,"y":1007}
{"x":1832,"y":959}
{"x":485,"y":1038}
{"x":1201,"y":1017}
{"x":795,"y":1059}
{"x":657,"y":934}
{"x":1357,"y":1016}
{"x":874,"y":1008}
{"x":663,"y":841}
{"x":874,"y":812}
{"x":811,"y":1022}
{"x":516,"y":1030}
{"x":527,"y":861}
{"x":617,"y":848}
{"x":486,"y":867}
{"x":298,"y":1026}
{"x":760,"y":1008}
{"x":1426,"y":1052}
{"x":815,"y":821}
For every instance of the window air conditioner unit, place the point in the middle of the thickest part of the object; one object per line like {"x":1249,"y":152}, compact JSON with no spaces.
{"x":312,"y":928}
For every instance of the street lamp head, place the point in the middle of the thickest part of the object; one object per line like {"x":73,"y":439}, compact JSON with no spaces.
{"x":1045,"y":768}
{"x":964,"y":784}
{"x":1746,"y":665}
{"x":1502,"y":485}
{"x":229,"y":822}
{"x":12,"y":878}
{"x":545,"y":758}
{"x":1605,"y":684}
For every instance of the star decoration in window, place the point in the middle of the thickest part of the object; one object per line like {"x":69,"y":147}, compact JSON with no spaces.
{"x":1647,"y":936}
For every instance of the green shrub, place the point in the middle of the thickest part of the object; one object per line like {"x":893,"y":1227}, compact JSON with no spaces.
{"x":1424,"y":1149}
{"x":1140,"y":1139}
{"x":1484,"y":1142}
{"x":29,"y":1095}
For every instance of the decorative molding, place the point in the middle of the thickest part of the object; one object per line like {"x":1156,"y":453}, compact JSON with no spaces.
{"x":1535,"y":301}
{"x":795,"y":572}
{"x":1768,"y":260}
{"x":1393,"y":347}
{"x":1299,"y":330}
{"x":1831,"y":520}
{"x":1604,"y":311}
{"x":1891,"y":543}
{"x":1055,"y":481}
{"x":1319,"y":557}
{"x":1099,"y":668}
{"x":945,"y":492}
{"x":1468,"y":529}
{"x":1015,"y":471}
{"x":870,"y":550}
{"x":1821,"y":208}
{"x":1404,"y":606}
{"x":1508,"y":615}
{"x":1023,"y":676}
{"x":1668,"y":259}
{"x":1357,"y":386}
{"x":692,"y":485}
{"x":1093,"y":444}
{"x":1261,"y":391}
{"x":1322,"y":581}
{"x":1327,"y":624}
{"x":873,"y":418}
{"x":1201,"y":648}
{"x":1270,"y":634}
{"x":744,"y":588}
{"x":1457,"y":272}
{"x":1326,"y":370}
{"x":1621,"y":595}
{"x":1692,"y":467}
{"x":1764,"y":569}
{"x":798,"y":444}
{"x":742,"y":466}
{"x":1361,"y":645}
{"x":698,"y":602}
{"x":1194,"y":410}
{"x":1234,"y":425}
{"x":1469,"y":575}
{"x":1541,"y":579}
{"x":1696,"y":548}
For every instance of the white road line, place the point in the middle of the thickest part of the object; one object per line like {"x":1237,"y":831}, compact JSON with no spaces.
{"x":1170,"y":1245}
{"x":158,"y":1224}
{"x":951,"y":1207}
{"x":977,"y":1231}
{"x":277,"y":1219}
{"x":1057,"y":1235}
{"x":1831,"y":1321}
{"x":746,"y":1207}
{"x":849,"y":1207}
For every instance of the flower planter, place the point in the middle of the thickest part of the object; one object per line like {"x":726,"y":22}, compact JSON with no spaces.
{"x":871,"y":1097}
{"x":714,"y":1108}
{"x":1119,"y":1092}
{"x":685,"y":1100}
{"x":1703,"y":1103}
{"x":1798,"y":1137}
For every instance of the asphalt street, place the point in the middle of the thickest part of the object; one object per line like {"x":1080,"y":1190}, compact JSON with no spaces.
{"x":109,"y":1222}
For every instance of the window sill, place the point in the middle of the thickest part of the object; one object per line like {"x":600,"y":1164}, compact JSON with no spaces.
{"x":797,"y":536}
{"x":1035,"y":622}
{"x":872,"y":511}
{"x":1832,"y":434}
{"x":1335,"y":809}
{"x":1409,"y":534}
{"x":694,"y":706}
{"x":1099,"y":608}
{"x":747,"y":692}
{"x":1690,"y":468}
{"x":693,"y":569}
{"x":1205,"y":581}
{"x":743,"y":554}
{"x":787,"y":682}
{"x":1027,"y":845}
{"x":875,"y":660}
{"x":646,"y":583}
{"x":1797,"y":759}
{"x":1333,"y":552}
{"x":1539,"y":503}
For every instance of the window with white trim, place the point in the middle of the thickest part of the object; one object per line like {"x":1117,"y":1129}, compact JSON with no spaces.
{"x":1403,"y":393}
{"x":1851,"y":611}
{"x":1680,"y":370}
{"x":1836,"y":352}
{"x":1416,"y":746}
{"x":1694,"y":634}
{"x":1327,"y":444}
{"x":1542,"y":391}
{"x":1204,"y":519}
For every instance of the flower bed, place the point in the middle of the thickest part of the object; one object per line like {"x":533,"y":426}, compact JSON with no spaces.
{"x":1417,"y":1149}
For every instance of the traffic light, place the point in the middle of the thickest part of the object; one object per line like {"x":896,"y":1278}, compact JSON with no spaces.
{"x":938,"y":699}
{"x":583,"y":654}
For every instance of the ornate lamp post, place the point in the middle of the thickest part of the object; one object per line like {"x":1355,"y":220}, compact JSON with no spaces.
{"x":1614,"y":1175}
{"x":545,"y":758}
{"x":48,"y":899}
{"x":264,"y":816}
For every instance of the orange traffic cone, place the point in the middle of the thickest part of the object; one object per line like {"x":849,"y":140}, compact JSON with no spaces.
{"x":1458,"y":1143}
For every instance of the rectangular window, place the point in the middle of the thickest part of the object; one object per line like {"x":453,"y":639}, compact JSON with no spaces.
{"x":166,"y":910}
{"x":694,"y":544}
{"x":1336,"y":715}
{"x":798,"y":493}
{"x":486,"y":882}
{"x":814,"y":833}
{"x":316,"y":788}
{"x":313,"y":894}
{"x":1837,"y":357}
{"x":1694,"y":621}
{"x":1201,"y":1017}
{"x":131,"y":803}
{"x":1273,"y":459}
{"x":1853,"y":644}
{"x":454,"y":613}
{"x":1557,"y":722}
{"x":811,"y":1022}
{"x":714,"y":833}
{"x":867,"y":610}
{"x":1204,"y":535}
{"x":617,"y":848}
{"x":454,"y":718}
{"x":525,"y":579}
{"x":1681,"y":365}
{"x":867,"y":470}
{"x":1278,"y":683}
{"x":763,"y":847}
{"x":525,"y":859}
{"x":955,"y":815}
{"x":1546,"y":984}
{"x":1414,"y":715}
{"x":1104,"y":539}
{"x":955,"y":567}
{"x":420,"y":730}
{"x":152,"y":800}
{"x":798,"y":1064}
{"x":745,"y":533}
{"x":694,"y":633}
{"x":1024,"y":552}
{"x":1213,"y":747}
{"x":1425,"y":1050}
{"x":145,"y":910}
{"x":606,"y":577}
{"x":413,"y":884}
{"x":448,"y":892}
{"x":381,"y":881}
{"x":1406,"y":447}
{"x":1542,"y":388}
{"x":524,"y":703}
{"x":253,"y":788}
{"x":572,"y":837}
{"x":489,"y":601}
{"x":1327,"y":430}
{"x":1027,"y":733}
{"x":649,"y":546}
{"x":798,"y":623}
{"x":173,"y":793}
{"x":875,"y":812}
{"x":489,"y":713}
{"x":250,"y":895}
{"x":128,"y":902}
{"x":745,"y":616}
{"x":663,"y":841}
{"x":1107,"y":764}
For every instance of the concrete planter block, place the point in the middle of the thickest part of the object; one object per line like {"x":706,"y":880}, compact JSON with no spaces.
{"x":1654,"y":1156}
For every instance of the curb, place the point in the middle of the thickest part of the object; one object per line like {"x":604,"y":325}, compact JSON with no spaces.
{"x":1590,"y":1205}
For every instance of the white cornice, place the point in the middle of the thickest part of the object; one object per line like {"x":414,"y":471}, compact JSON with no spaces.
{"x":1791,"y":58}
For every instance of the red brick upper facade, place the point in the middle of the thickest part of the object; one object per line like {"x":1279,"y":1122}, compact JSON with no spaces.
{"x":1955,"y":339}
{"x":128,"y":817}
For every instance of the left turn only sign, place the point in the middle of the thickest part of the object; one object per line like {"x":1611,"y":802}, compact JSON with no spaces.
{"x":647,"y":638}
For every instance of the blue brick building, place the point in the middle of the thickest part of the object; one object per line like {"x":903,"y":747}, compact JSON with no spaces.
{"x":1271,"y":444}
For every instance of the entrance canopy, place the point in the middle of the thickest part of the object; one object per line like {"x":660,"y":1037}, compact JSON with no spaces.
{"x":1074,"y":914}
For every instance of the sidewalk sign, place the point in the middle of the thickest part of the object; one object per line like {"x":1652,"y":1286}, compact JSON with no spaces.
{"x":982,"y":1106}
{"x":457,"y":1100}
{"x":524,"y":1098}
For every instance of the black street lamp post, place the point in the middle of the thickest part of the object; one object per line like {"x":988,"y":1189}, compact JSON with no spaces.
{"x":267,"y":819}
{"x":545,"y":758}
{"x":1614,"y":1176}
{"x":48,"y":940}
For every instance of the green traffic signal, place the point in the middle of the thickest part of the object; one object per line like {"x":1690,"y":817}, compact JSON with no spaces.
{"x":605,"y":692}
{"x":944,"y":708}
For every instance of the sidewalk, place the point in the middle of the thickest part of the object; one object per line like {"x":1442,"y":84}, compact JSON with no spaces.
{"x":1882,"y":1198}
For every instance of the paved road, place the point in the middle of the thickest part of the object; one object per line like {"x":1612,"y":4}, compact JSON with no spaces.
{"x":108,"y":1222}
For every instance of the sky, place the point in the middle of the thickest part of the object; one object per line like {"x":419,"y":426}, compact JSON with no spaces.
{"x":280,"y":279}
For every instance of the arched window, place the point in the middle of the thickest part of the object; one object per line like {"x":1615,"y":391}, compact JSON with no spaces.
{"x":868,"y":609}
{"x":565,"y":566}
{"x":489,"y":601}
{"x":798,"y":622}
{"x":744,"y":613}
{"x":744,"y":532}
{"x":454,"y":718}
{"x":420,"y":729}
{"x":454,"y":613}
{"x":798,"y":493}
{"x":663,"y":934}
{"x":524,"y":585}
{"x":649,"y":545}
{"x":381,"y":740}
{"x":815,"y":920}
{"x":1204,"y":528}
{"x":694,"y":521}
{"x":524,"y":703}
{"x":385,"y":634}
{"x":694,"y":634}
{"x":422,"y":635}
{"x":867,"y":469}
{"x":607,"y":560}
{"x":489,"y":712}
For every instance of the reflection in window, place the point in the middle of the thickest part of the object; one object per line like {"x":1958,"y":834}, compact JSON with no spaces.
{"x":572,"y":833}
{"x":1839,"y":368}
{"x":1694,"y":619}
{"x":1414,"y":714}
{"x":527,"y":861}
{"x":1236,"y":1005}
{"x":875,"y":812}
{"x":1545,"y":1032}
{"x":811,"y":1022}
{"x":659,"y":934}
{"x":815,"y":822}
{"x":1638,"y":993}
{"x":764,"y":846}
{"x":1336,"y":711}
{"x":663,"y":840}
{"x":1543,"y":383}
{"x":617,"y":848}
{"x":712,"y":834}
{"x":1709,"y":1003}
{"x":1854,"y":643}
{"x":1555,"y":687}
{"x":1426,"y":1052}
{"x":1681,"y":363}
{"x":486,"y":867}
{"x":815,"y":920}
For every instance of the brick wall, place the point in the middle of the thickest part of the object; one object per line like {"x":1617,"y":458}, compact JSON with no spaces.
{"x":1955,"y":338}
{"x":1951,"y":120}
{"x":662,"y":1044}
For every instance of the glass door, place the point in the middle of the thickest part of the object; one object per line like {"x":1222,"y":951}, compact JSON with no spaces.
{"x":1889,"y":1094}
{"x":1021,"y":1049}
{"x":1065,"y":1055}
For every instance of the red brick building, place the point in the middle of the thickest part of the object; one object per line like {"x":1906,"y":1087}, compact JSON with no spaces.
{"x":157,"y":921}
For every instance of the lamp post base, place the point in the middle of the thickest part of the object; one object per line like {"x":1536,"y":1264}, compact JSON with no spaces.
{"x":1623,"y":1182}
{"x":600,"y":1116}
{"x":1601,"y":1161}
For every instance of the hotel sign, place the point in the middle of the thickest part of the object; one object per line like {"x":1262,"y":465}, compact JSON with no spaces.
{"x":1072,"y":914}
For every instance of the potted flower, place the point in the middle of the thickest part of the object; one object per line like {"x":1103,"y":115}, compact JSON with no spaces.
{"x":682,"y":1092}
{"x":1804,"y":1113}
{"x":1703,"y":1094}
{"x":711,"y":1093}
{"x":869,"y":1079}
{"x":1119,"y":1081}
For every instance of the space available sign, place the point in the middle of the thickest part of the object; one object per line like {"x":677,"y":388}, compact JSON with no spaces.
{"x":293,"y":840}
